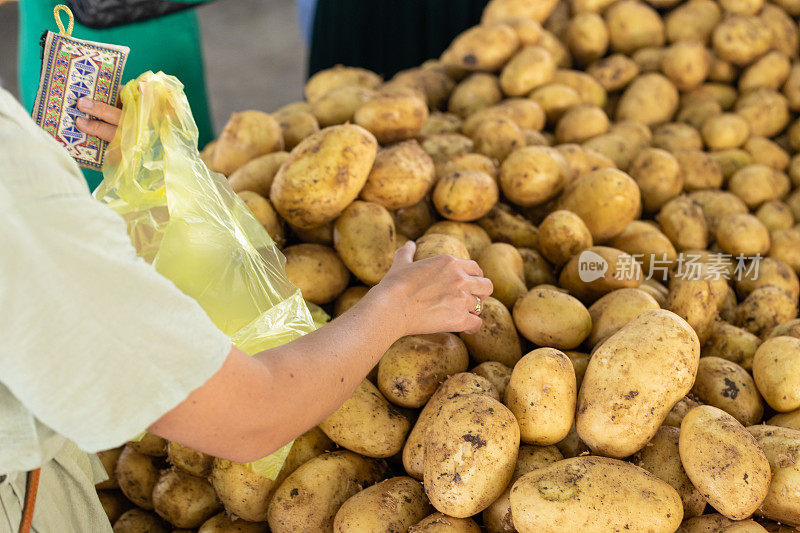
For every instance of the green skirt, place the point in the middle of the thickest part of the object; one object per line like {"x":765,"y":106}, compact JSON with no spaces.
{"x":387,"y":36}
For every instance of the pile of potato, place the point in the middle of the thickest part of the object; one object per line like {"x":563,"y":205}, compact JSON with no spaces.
{"x":648,"y":146}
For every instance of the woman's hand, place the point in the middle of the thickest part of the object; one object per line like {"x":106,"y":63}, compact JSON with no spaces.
{"x":433,"y":295}
{"x":108,"y":116}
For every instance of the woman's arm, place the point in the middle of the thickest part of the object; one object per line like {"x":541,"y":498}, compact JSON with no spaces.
{"x":255,"y":405}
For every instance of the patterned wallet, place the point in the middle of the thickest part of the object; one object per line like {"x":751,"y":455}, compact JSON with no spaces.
{"x":71,"y":69}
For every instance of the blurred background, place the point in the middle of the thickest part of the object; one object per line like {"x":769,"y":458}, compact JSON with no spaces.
{"x":260,"y":65}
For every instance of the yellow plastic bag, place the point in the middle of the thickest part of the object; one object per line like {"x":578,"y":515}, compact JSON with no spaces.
{"x":187,"y":221}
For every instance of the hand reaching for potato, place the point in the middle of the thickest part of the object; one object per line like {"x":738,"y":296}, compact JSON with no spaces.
{"x":436,"y":294}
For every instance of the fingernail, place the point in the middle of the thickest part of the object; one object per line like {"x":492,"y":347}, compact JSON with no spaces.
{"x":81,"y":121}
{"x":85,"y":103}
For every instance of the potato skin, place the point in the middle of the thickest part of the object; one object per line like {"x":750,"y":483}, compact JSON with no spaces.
{"x":329,"y":79}
{"x":549,"y":317}
{"x":392,"y":117}
{"x":776,"y":369}
{"x":317,"y":271}
{"x":619,"y":411}
{"x":394,"y":504}
{"x":542,"y":394}
{"x":433,"y":244}
{"x":724,"y":461}
{"x":183,"y":500}
{"x":484,"y":48}
{"x":364,"y":236}
{"x":502,"y":264}
{"x":726,"y":385}
{"x":593,"y":495}
{"x":310,"y":497}
{"x":109,"y":459}
{"x":607,"y":200}
{"x":474,"y":237}
{"x":650,"y":98}
{"x":563,"y":234}
{"x":470,"y":453}
{"x":137,"y":521}
{"x":661,"y":458}
{"x":258,"y":174}
{"x":613,"y":311}
{"x":190,"y":461}
{"x":465,"y":196}
{"x":456,"y":385}
{"x":221,"y":523}
{"x":782,"y":448}
{"x":243,"y":492}
{"x":400,"y":177}
{"x":441,"y":523}
{"x":367,"y":424}
{"x":322,"y":175}
{"x":622,"y":271}
{"x":497,"y":340}
{"x":412,"y":368}
{"x":246,"y":135}
{"x":136,"y":475}
{"x":533,"y":175}
{"x":528,"y":69}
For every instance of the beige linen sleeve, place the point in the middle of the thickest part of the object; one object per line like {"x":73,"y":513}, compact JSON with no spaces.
{"x":93,"y":341}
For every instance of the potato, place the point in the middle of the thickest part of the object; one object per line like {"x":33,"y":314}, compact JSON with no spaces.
{"x":619,"y":412}
{"x":731,"y":161}
{"x":501,"y":10}
{"x":789,"y":420}
{"x":502,"y":264}
{"x":582,"y":160}
{"x":528,"y":30}
{"x":790,"y":328}
{"x":138,"y":521}
{"x":740,"y":39}
{"x":497,"y":340}
{"x":682,"y":221}
{"x":700,"y":170}
{"x":536,"y":270}
{"x":412,"y":368}
{"x":650,"y":98}
{"x":769,"y":71}
{"x":439,"y":122}
{"x":587,"y":37}
{"x":726,"y":130}
{"x":257,"y":174}
{"x":114,"y":504}
{"x":246,"y":136}
{"x":694,"y":299}
{"x":323,"y":174}
{"x":677,"y":136}
{"x":442,"y":146}
{"x":769,"y":272}
{"x":717,"y":205}
{"x":467,"y":161}
{"x":364,"y":237}
{"x":765,"y":110}
{"x":744,"y":526}
{"x":723,"y":461}
{"x":317,"y":271}
{"x":658,"y":175}
{"x":599,"y":270}
{"x":734,"y":344}
{"x":756,"y":184}
{"x":183,"y":500}
{"x":655,"y":289}
{"x":477,"y":91}
{"x":136,"y":475}
{"x":533,"y":175}
{"x":765,"y":308}
{"x":400,"y":177}
{"x":474,"y":238}
{"x":581,"y":123}
{"x":338,"y":105}
{"x":541,"y":395}
{"x":434,"y":244}
{"x":693,"y":21}
{"x":367,"y":424}
{"x":243,"y":492}
{"x":265,"y":214}
{"x":329,"y":79}
{"x":786,"y":247}
{"x":728,"y":386}
{"x":465,"y":195}
{"x":394,"y":504}
{"x":743,"y":234}
{"x":524,"y":112}
{"x":485,"y":47}
{"x":222,"y":524}
{"x":497,"y":517}
{"x":686,"y":64}
{"x":633,"y":25}
{"x":557,"y":49}
{"x":707,"y":523}
{"x":613,"y":311}
{"x":497,"y":373}
{"x":607,"y":200}
{"x":497,"y":137}
{"x":781,"y":448}
{"x":462,"y":384}
{"x":555,"y":99}
{"x":614,"y":72}
{"x":649,"y":246}
{"x":648,"y":59}
{"x":549,"y":317}
{"x":662,"y":459}
{"x":415,"y":220}
{"x":207,"y":153}
{"x":593,"y":494}
{"x":588,"y":88}
{"x":310,"y":497}
{"x":295,"y":126}
{"x":775,"y":215}
{"x":392,"y":117}
{"x":528,"y":69}
{"x":696,"y":113}
{"x":776,"y":369}
{"x":433,"y":83}
{"x":150,"y":444}
{"x":441,"y":523}
{"x":109,"y":459}
{"x":188,"y":460}
{"x":563,"y":234}
{"x":470,"y":453}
